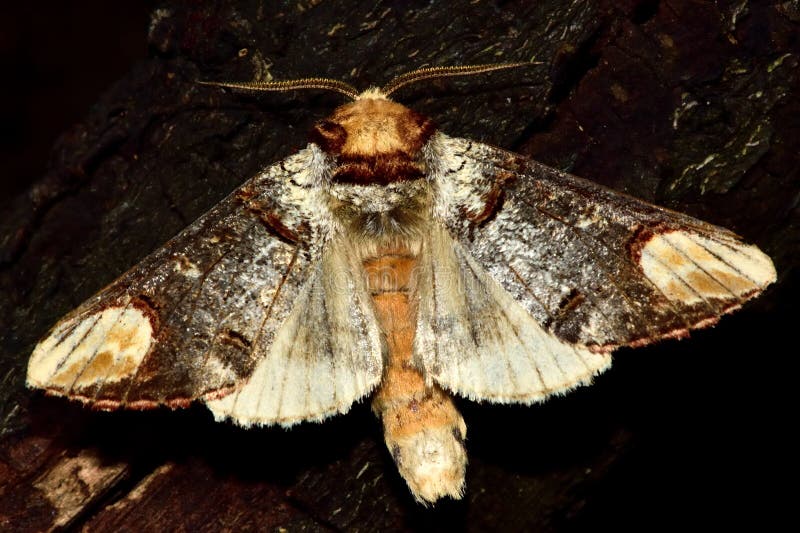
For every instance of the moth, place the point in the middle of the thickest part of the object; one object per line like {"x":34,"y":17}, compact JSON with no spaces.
{"x":388,"y":258}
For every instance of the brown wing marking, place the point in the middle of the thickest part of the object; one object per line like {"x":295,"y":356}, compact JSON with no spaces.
{"x":709,"y":302}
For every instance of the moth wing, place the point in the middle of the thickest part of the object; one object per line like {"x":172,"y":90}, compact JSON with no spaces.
{"x":328,"y":354}
{"x":476,"y":340}
{"x":594,"y":268}
{"x":194,"y":319}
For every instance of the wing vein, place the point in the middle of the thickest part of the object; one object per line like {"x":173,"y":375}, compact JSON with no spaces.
{"x":727,"y":263}
{"x":61,"y":363}
{"x":533,"y":363}
{"x":700,"y":268}
{"x":267,"y":314}
{"x":515,"y":330}
{"x":97,"y":348}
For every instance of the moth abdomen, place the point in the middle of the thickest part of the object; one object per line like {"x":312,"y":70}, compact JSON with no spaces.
{"x":422,"y":427}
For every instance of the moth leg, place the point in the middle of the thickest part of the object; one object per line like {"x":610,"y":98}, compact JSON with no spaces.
{"x":422,"y":428}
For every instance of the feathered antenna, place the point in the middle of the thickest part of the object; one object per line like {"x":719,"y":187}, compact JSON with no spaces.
{"x":351,"y":92}
{"x":289,"y":85}
{"x":446,"y":72}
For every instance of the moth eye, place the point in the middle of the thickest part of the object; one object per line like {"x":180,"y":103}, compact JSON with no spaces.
{"x":332,"y":130}
{"x":328,"y":126}
{"x":329,"y":135}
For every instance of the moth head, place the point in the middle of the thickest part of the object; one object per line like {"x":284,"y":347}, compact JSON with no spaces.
{"x":372,"y":126}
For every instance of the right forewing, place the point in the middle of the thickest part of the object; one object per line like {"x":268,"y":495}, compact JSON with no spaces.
{"x":595,"y":267}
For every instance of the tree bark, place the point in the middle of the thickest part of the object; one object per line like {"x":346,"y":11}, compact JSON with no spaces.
{"x":690,"y":105}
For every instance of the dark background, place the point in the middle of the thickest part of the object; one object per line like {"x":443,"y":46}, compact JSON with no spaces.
{"x":56,"y":59}
{"x":695,"y":433}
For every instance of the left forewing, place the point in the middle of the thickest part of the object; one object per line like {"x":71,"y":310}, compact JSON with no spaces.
{"x":192,"y":319}
{"x":596,"y":268}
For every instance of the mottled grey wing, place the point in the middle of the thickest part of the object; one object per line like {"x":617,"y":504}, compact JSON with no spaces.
{"x":326,"y":355}
{"x":192,"y":319}
{"x":595,"y":267}
{"x":473,"y":338}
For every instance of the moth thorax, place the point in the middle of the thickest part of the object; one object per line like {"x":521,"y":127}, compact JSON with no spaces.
{"x":382,"y":213}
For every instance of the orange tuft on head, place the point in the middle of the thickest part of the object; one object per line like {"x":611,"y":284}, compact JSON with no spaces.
{"x":373,"y":125}
{"x":375,"y":140}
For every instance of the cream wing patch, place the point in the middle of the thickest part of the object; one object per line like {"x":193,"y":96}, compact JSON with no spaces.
{"x":475,"y":339}
{"x":691,"y":268}
{"x":103,"y":347}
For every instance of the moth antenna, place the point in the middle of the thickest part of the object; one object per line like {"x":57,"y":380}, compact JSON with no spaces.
{"x":288,"y":85}
{"x":446,"y":72}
